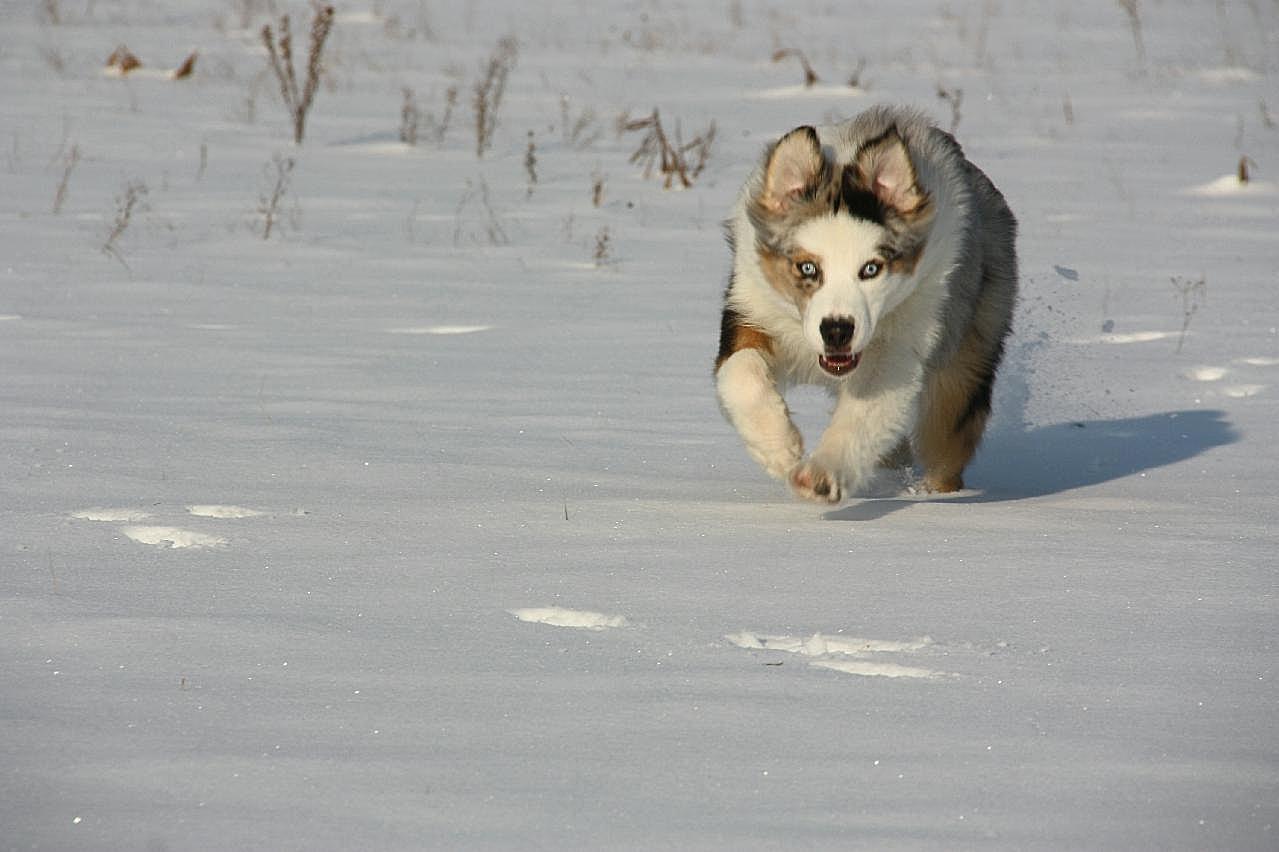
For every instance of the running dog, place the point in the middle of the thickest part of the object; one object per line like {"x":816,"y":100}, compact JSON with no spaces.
{"x":873,"y":258}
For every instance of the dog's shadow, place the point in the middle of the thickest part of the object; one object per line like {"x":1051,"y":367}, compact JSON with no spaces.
{"x":1046,"y":460}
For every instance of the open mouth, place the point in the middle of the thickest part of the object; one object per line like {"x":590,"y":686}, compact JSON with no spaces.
{"x":839,"y":363}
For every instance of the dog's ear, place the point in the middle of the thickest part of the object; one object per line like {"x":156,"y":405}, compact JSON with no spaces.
{"x":883,"y":167}
{"x":795,"y":167}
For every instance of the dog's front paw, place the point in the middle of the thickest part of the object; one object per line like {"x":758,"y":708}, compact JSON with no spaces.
{"x":810,"y":481}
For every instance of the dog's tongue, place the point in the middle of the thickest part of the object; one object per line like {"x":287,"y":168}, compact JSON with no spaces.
{"x":838,"y":363}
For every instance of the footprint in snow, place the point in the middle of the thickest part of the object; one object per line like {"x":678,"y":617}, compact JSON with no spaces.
{"x":790,"y":93}
{"x":855,"y":656}
{"x":849,"y":655}
{"x":1229,"y":186}
{"x":444,"y":330}
{"x":560,"y":617}
{"x":1205,"y":374}
{"x":1242,"y":391}
{"x":1127,"y":337}
{"x":170,"y":536}
{"x":216,"y":511}
{"x":118,"y":516}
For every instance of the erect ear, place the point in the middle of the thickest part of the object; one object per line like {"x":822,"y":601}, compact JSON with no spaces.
{"x":884,"y":169}
{"x":795,"y":167}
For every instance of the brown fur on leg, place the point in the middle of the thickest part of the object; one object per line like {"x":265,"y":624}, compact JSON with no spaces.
{"x":735,"y":335}
{"x":956,"y":407}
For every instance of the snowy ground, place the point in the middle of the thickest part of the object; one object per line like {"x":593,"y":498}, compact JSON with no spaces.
{"x":414,"y":526}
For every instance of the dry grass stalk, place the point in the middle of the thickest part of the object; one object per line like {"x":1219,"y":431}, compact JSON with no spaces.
{"x":530,"y":165}
{"x":409,"y":119}
{"x":954,"y":97}
{"x":855,"y":79}
{"x":701,"y":146}
{"x":280,"y":51}
{"x":1134,"y":24}
{"x":574,"y":130}
{"x":441,"y":127}
{"x":564,"y":116}
{"x":671,"y":159}
{"x":186,"y":69}
{"x":578,"y":137}
{"x":597,"y":188}
{"x":489,"y":90}
{"x":1244,"y":162}
{"x":269,"y":201}
{"x":492,"y":226}
{"x":602,"y":246}
{"x":68,"y":165}
{"x":126,"y":204}
{"x":1192,"y":292}
{"x":122,"y":60}
{"x":810,"y":76}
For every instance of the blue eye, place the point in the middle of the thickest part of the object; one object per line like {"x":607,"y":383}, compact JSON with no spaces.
{"x":870,"y":270}
{"x":807,"y":269}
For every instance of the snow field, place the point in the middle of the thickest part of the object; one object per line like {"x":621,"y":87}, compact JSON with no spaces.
{"x":416,"y":525}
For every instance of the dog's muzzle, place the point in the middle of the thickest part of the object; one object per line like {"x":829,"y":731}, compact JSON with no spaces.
{"x":838,"y":359}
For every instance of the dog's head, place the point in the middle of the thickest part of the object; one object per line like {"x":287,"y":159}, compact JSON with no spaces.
{"x":841,"y":242}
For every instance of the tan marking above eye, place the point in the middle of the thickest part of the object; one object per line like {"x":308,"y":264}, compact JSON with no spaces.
{"x":904,"y":264}
{"x":806,"y":277}
{"x":782,"y":272}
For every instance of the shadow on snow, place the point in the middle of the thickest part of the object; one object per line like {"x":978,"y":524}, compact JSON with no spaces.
{"x":1046,"y":460}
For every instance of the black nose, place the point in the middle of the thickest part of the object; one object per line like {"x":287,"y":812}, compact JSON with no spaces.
{"x":837,"y":332}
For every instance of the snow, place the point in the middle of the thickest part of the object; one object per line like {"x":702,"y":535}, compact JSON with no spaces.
{"x":215,"y":511}
{"x":287,"y":525}
{"x":558,"y":616}
{"x":1231,"y":185}
{"x":130,"y":515}
{"x":872,"y":669}
{"x":171,"y":536}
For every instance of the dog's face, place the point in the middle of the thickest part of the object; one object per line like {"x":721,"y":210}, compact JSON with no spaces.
{"x":841,"y":242}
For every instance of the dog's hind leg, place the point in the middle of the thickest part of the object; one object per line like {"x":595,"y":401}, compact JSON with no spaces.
{"x":955,"y":408}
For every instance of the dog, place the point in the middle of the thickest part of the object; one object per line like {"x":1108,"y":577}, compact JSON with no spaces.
{"x":873,"y":258}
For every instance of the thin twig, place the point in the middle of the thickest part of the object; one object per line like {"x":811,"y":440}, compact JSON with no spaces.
{"x":134,"y":192}
{"x":69,"y":164}
{"x":657,"y":150}
{"x":955,"y":97}
{"x":810,"y":76}
{"x":489,"y":91}
{"x":269,"y":202}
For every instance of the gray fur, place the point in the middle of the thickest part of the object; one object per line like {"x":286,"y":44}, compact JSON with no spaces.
{"x":933,"y":344}
{"x":982,"y":285}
